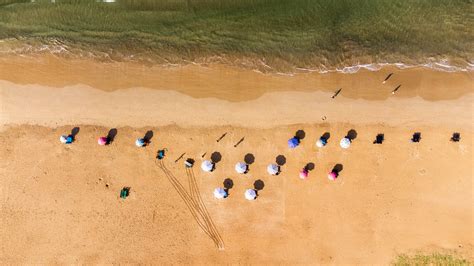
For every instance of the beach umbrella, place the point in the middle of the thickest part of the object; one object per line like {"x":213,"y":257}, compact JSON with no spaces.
{"x":250,"y":194}
{"x":273,"y":169}
{"x":241,"y":168}
{"x":66,"y":139}
{"x":140,"y":142}
{"x":345,"y":143}
{"x":207,"y":166}
{"x":304,"y":174}
{"x":63,"y":139}
{"x":102,"y":141}
{"x":293,"y":142}
{"x":220,"y":193}
{"x":332,"y":176}
{"x":321,"y":142}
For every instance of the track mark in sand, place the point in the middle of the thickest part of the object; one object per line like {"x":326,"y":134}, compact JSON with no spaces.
{"x":194,"y":203}
{"x":196,"y":196}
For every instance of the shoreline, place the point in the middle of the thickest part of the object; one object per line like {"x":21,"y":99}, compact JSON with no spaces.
{"x":232,"y":83}
{"x":58,"y":49}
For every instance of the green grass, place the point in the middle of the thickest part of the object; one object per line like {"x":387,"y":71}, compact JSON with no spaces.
{"x":432,"y":259}
{"x":300,"y":32}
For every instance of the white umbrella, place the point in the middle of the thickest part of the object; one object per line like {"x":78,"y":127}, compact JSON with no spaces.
{"x":140,"y":142}
{"x":241,"y":168}
{"x":273,"y":169}
{"x":250,"y":194}
{"x":207,"y":166}
{"x":63,"y":139}
{"x":345,"y":143}
{"x":321,"y":143}
{"x":220,"y":193}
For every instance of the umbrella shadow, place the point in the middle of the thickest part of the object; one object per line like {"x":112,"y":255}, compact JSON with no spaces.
{"x":326,"y":135}
{"x":351,"y":134}
{"x":216,"y":157}
{"x":309,"y":167}
{"x":74,"y":132}
{"x":111,"y":135}
{"x":379,"y":138}
{"x":228,"y":184}
{"x":280,"y":160}
{"x":337,"y":168}
{"x":249,"y":159}
{"x":148,"y":136}
{"x":300,"y":135}
{"x":258,"y":185}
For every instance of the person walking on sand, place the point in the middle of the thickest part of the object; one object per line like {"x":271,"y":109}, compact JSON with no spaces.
{"x":385,"y":80}
{"x":396,"y":89}
{"x":336,"y":93}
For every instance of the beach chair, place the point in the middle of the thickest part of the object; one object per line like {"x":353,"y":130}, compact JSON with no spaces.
{"x":189,"y":163}
{"x":124,"y":192}
{"x":160,"y":154}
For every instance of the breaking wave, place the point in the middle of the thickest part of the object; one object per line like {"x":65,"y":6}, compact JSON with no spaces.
{"x":55,"y":47}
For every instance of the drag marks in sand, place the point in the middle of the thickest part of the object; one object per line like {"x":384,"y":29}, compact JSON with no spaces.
{"x":194,"y":203}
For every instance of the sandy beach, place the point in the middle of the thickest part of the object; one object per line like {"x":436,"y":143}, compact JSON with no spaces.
{"x":395,"y":198}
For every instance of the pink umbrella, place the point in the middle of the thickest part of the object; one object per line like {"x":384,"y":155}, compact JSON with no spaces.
{"x":304,"y":174}
{"x":332,"y":175}
{"x":102,"y":141}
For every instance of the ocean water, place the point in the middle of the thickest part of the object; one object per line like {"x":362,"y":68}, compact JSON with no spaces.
{"x":267,"y":35}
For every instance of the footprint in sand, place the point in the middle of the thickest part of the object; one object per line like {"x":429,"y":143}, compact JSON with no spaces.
{"x":415,"y":154}
{"x":422,"y":171}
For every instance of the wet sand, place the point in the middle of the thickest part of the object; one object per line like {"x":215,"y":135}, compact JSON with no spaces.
{"x":398,"y":197}
{"x":231,"y":83}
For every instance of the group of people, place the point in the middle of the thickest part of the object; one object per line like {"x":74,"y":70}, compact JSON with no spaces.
{"x":243,"y":167}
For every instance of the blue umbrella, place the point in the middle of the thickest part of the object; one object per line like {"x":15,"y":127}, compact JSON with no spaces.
{"x":293,"y":143}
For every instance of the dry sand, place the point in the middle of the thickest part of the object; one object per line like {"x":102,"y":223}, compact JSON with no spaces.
{"x":393,"y":198}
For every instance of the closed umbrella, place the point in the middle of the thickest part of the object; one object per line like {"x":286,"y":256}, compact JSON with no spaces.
{"x":273,"y":169}
{"x":304,"y":174}
{"x":220,"y":193}
{"x":293,"y":142}
{"x":140,"y":142}
{"x":207,"y":166}
{"x":241,"y":168}
{"x":332,"y":176}
{"x":102,"y":141}
{"x":250,"y":194}
{"x":345,"y":143}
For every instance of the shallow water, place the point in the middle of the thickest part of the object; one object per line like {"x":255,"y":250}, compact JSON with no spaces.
{"x":267,"y":35}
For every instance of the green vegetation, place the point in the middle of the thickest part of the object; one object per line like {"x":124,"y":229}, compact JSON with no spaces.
{"x":433,"y":259}
{"x":300,"y":32}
